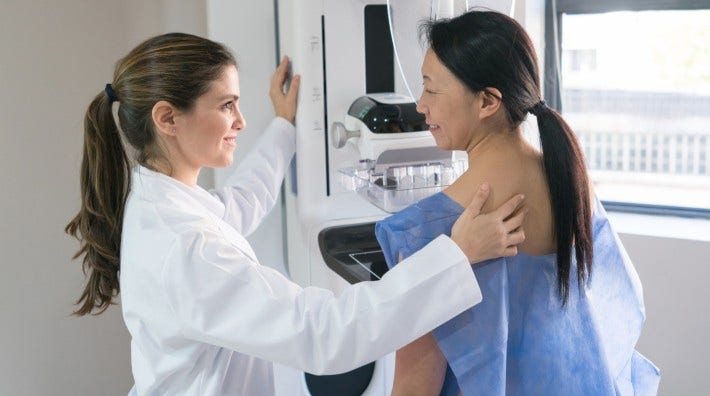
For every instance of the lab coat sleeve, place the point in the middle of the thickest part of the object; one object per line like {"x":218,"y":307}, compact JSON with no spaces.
{"x":251,"y":192}
{"x":221,"y":297}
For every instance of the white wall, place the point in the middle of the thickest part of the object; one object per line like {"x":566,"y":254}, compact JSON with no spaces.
{"x":56,"y":56}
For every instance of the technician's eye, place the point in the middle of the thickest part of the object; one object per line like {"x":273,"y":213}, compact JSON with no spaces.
{"x":228,"y":106}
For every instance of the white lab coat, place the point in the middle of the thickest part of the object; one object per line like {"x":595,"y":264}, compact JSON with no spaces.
{"x":207,"y":319}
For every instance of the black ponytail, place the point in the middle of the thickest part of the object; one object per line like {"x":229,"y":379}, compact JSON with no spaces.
{"x":569,"y":192}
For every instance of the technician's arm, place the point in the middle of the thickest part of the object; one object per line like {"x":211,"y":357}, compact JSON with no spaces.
{"x":252,"y":190}
{"x":221,"y":297}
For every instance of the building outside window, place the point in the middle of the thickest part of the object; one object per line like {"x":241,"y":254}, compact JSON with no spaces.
{"x":634,"y":84}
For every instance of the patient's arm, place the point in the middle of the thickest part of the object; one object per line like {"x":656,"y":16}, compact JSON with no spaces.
{"x":419,"y":368}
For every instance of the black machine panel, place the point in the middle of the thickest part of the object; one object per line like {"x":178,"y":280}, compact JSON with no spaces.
{"x":352,"y":251}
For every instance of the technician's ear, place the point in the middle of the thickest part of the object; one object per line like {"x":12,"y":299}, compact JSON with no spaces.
{"x":164,"y":115}
{"x":491,"y":99}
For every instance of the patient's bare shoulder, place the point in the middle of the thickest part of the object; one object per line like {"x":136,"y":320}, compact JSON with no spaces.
{"x":510,"y":172}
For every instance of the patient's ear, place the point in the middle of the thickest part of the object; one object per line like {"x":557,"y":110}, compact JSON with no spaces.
{"x":490,"y":102}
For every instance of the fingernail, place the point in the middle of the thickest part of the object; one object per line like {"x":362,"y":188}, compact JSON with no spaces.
{"x":522,"y":196}
{"x":484,"y":187}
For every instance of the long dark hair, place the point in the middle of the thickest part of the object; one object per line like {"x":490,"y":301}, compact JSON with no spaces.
{"x":174,"y":67}
{"x":489,"y":49}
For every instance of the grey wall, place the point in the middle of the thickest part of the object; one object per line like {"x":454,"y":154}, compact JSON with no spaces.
{"x":54,"y":57}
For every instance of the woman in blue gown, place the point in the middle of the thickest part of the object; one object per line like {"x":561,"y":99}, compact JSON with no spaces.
{"x":563,"y":316}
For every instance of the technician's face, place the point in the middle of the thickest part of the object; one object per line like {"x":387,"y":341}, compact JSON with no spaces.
{"x":208,"y":132}
{"x":447,"y":105}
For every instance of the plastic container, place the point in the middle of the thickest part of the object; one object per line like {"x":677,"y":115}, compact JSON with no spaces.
{"x":396,"y":187}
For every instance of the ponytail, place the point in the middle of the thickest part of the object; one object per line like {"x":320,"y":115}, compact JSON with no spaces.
{"x":105,"y":182}
{"x":569,"y":194}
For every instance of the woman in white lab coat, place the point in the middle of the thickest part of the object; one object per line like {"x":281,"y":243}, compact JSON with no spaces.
{"x":204,"y":316}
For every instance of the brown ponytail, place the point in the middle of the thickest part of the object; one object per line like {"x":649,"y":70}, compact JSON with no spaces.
{"x":174,"y":67}
{"x":104,"y":186}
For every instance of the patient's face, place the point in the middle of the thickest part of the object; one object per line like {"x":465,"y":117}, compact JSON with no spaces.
{"x":448,"y":105}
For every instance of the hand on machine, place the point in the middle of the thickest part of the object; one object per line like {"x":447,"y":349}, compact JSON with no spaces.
{"x":284,"y":90}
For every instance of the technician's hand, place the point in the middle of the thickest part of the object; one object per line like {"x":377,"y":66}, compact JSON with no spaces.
{"x":491,"y":235}
{"x":284,"y":101}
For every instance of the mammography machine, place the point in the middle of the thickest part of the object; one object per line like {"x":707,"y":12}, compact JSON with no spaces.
{"x":363,"y":151}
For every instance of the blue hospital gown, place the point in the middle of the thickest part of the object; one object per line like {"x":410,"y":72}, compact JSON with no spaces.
{"x":520,"y":340}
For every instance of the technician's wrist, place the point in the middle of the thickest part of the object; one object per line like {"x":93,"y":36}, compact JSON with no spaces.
{"x":288,"y":118}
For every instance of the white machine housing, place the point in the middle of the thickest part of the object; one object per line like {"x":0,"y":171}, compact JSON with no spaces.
{"x":325,"y":42}
{"x":369,"y":144}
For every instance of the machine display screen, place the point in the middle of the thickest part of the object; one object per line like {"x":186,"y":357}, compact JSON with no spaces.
{"x":388,"y":117}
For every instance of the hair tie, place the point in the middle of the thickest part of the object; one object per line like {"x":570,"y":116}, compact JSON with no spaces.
{"x":538,"y":108}
{"x":110,"y":93}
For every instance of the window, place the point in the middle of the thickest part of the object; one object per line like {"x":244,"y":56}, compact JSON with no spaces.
{"x":633,"y":82}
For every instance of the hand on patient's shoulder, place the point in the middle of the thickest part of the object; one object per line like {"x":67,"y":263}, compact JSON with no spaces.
{"x":495,"y":234}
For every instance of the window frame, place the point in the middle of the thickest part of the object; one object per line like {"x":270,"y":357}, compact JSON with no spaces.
{"x":552,"y":90}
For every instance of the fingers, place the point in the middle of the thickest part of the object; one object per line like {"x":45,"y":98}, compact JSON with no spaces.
{"x":505,"y":210}
{"x":280,"y":75}
{"x":516,"y":238}
{"x":515,"y":221}
{"x":284,"y":100}
{"x":282,"y":69}
{"x":516,"y":235}
{"x":474,"y":208}
{"x":293,"y":88}
{"x":510,"y":251}
{"x":513,"y":240}
{"x":279,"y":79}
{"x":485,"y":236}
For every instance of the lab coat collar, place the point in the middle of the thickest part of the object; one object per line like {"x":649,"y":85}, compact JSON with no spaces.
{"x":155,"y":187}
{"x":162,"y":181}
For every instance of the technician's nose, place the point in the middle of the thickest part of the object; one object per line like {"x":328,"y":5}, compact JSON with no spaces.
{"x":239,"y":121}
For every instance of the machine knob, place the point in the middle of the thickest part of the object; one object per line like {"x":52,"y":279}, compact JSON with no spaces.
{"x":340,"y":134}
